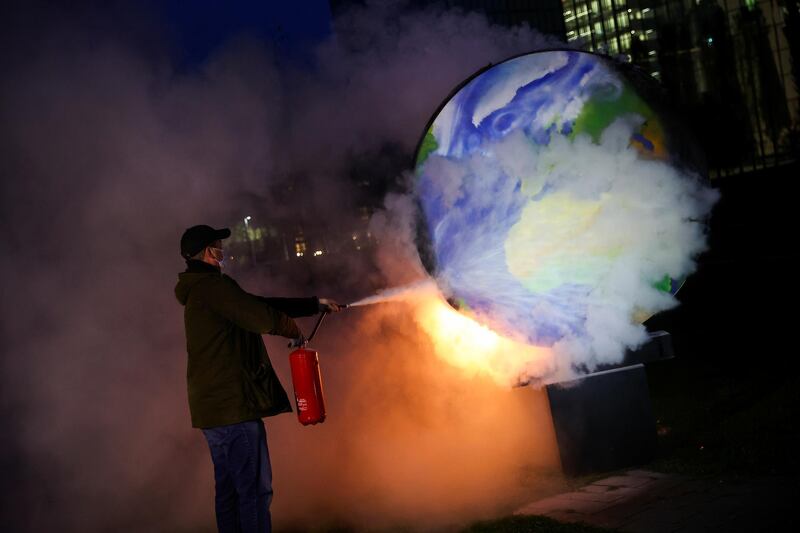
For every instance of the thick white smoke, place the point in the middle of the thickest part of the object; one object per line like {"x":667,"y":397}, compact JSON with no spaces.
{"x":611,"y":220}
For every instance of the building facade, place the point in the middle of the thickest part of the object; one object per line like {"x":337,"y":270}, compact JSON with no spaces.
{"x":726,"y":64}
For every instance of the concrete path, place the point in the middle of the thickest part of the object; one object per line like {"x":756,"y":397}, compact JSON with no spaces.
{"x":644,"y":501}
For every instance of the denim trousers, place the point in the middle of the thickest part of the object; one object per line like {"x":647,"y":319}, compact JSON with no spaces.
{"x":242,"y":475}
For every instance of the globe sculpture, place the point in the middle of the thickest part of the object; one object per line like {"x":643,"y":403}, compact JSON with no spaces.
{"x":527,"y":199}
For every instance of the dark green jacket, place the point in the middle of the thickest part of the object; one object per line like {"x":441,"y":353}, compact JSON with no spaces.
{"x":229,"y":375}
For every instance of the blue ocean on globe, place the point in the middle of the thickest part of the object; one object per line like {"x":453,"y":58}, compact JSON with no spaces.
{"x":514,"y":247}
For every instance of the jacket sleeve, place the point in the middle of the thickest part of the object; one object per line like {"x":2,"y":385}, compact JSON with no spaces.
{"x":245,"y":310}
{"x":294,"y":307}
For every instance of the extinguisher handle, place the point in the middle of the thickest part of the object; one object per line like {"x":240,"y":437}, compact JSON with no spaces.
{"x":298,"y":342}
{"x":302,"y":341}
{"x":318,"y":324}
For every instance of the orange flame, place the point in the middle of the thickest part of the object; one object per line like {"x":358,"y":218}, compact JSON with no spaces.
{"x":477,"y":350}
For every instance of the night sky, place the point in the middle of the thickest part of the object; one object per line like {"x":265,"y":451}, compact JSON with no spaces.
{"x":197,"y":28}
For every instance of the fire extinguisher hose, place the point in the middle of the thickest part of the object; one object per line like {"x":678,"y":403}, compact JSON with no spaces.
{"x":296,"y":343}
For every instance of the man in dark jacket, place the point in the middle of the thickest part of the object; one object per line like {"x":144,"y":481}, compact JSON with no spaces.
{"x":231,"y":382}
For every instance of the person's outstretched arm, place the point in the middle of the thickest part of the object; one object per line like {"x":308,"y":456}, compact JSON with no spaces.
{"x":297,"y":307}
{"x":294,"y":307}
{"x":246,"y":310}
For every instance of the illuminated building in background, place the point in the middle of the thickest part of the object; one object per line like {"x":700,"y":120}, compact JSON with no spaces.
{"x":727,"y":64}
{"x":614,"y":27}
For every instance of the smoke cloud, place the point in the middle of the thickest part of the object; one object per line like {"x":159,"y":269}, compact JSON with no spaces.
{"x":609,"y":225}
{"x":109,"y":152}
{"x":557,"y":241}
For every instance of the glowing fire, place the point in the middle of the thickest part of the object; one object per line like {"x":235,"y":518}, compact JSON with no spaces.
{"x":476,"y":349}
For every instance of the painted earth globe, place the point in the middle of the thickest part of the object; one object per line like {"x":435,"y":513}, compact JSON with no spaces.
{"x":497,"y":230}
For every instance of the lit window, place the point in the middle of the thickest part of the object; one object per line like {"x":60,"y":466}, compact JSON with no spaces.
{"x":299,"y":248}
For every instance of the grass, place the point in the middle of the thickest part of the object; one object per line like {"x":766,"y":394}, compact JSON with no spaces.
{"x":713,"y":424}
{"x":524,"y":524}
{"x":509,"y":524}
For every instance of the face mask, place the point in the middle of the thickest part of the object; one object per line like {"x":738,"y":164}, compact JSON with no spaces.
{"x":218,"y":255}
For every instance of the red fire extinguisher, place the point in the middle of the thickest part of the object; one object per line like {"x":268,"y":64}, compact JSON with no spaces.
{"x":307,"y":380}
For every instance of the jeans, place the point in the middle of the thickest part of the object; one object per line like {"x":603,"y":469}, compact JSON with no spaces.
{"x":242,"y":475}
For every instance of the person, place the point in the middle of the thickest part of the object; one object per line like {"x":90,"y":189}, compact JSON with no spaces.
{"x":230,"y":380}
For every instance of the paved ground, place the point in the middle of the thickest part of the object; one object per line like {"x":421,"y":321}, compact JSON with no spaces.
{"x":644,"y":501}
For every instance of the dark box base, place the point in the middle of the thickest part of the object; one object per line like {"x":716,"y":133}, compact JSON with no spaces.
{"x":603,"y":421}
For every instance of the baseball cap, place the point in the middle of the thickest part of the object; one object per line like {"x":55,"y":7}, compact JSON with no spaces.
{"x":196,"y":238}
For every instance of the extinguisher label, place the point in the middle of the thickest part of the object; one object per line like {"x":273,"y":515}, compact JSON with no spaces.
{"x":302,"y":404}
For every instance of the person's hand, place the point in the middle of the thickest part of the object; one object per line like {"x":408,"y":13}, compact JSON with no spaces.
{"x":328,"y":306}
{"x":298,"y":342}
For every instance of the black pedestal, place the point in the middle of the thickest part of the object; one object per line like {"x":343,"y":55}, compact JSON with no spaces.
{"x":604,"y":421}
